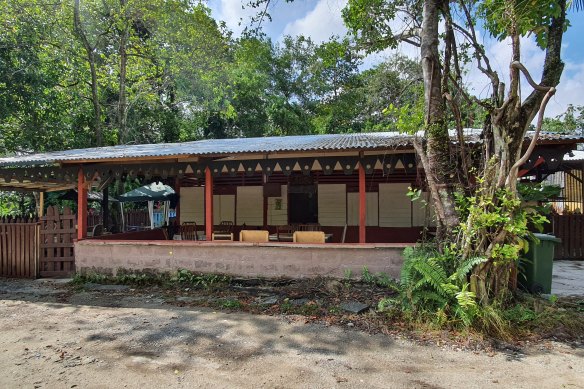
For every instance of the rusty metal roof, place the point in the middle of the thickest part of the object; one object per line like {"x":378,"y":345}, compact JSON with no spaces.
{"x":210,"y":147}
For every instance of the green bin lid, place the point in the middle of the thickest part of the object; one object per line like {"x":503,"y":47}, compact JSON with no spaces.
{"x":547,"y":237}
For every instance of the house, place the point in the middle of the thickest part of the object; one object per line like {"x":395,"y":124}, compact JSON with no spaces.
{"x":351,"y":186}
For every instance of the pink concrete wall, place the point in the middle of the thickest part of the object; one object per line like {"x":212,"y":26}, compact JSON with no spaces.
{"x":240,"y":259}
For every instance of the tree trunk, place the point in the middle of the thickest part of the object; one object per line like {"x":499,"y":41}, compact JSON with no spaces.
{"x":436,"y":156}
{"x":90,"y":56}
{"x":122,"y":100}
{"x":509,"y":123}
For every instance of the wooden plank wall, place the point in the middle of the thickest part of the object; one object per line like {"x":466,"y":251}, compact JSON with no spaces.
{"x":570,"y":229}
{"x":19,"y":248}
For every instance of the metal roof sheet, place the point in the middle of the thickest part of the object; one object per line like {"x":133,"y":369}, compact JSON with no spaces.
{"x":574,"y":156}
{"x":298,"y":143}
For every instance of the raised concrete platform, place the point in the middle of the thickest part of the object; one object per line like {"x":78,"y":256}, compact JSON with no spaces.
{"x":242,"y":259}
{"x":568,"y":278}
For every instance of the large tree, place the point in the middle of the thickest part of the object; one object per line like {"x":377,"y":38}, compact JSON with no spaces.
{"x":446,"y":34}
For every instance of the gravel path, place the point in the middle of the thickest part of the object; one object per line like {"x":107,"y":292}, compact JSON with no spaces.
{"x":98,"y":339}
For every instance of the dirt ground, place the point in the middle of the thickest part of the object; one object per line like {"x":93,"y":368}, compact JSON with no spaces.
{"x":53,"y":338}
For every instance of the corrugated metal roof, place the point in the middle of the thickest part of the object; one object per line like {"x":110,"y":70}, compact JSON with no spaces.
{"x":574,"y":156}
{"x":328,"y":142}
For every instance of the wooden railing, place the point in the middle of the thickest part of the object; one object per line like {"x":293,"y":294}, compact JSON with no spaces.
{"x":570,"y":229}
{"x":19,"y":248}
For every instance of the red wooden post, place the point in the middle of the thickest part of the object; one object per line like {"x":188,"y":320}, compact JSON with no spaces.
{"x":177,"y":208}
{"x":265,"y":204}
{"x":362,"y":204}
{"x":81,"y":206}
{"x":208,"y":203}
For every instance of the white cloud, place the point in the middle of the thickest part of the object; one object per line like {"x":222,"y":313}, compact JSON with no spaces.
{"x":321,"y":23}
{"x":232,"y":13}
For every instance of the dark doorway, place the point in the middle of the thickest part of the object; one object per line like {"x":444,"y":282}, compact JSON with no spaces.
{"x":302,"y":204}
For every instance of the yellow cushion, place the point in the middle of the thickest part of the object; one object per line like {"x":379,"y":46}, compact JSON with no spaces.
{"x":308,"y":237}
{"x":255,"y":236}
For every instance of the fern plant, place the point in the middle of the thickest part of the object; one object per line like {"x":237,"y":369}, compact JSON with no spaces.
{"x":430,"y":284}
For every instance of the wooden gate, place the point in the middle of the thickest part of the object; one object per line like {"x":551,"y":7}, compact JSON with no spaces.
{"x":19,"y":248}
{"x":57,"y":232}
{"x":570,"y":229}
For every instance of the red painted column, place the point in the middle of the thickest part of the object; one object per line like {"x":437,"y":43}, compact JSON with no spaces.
{"x":362,"y":204}
{"x":81,"y":206}
{"x":208,"y":203}
{"x":265,"y":204}
{"x":177,"y":208}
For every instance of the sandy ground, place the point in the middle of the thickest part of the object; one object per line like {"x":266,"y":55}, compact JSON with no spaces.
{"x":101,"y":340}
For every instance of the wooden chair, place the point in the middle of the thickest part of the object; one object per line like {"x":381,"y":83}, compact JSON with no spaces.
{"x":254,"y":236}
{"x":97,"y":230}
{"x":308,"y":237}
{"x":188,"y":231}
{"x":308,"y":227}
{"x":223,"y":231}
{"x":222,"y":236}
{"x":284,"y":233}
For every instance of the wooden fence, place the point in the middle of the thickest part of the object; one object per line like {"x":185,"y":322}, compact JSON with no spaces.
{"x":19,"y":248}
{"x":570,"y":229}
{"x":57,"y":234}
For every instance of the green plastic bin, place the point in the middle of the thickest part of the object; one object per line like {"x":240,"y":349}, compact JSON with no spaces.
{"x":536,"y":269}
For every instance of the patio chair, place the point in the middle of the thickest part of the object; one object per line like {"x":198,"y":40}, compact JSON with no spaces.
{"x":188,"y":231}
{"x":308,"y":227}
{"x":223,"y":231}
{"x":96,"y":231}
{"x":254,"y":236}
{"x":284,"y":233}
{"x":308,"y":237}
{"x":225,"y":226}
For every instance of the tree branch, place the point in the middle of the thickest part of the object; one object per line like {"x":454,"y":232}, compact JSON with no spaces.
{"x":533,"y":142}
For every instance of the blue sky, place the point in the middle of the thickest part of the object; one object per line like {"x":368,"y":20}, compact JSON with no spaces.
{"x":321,"y":19}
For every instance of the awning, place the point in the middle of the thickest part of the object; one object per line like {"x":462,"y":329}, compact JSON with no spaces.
{"x":151,"y":192}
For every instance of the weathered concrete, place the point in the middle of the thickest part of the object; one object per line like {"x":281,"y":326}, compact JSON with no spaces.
{"x":241,"y":259}
{"x":568,"y":278}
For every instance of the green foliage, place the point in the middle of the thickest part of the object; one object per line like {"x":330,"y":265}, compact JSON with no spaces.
{"x":205,"y":281}
{"x":366,"y":276}
{"x":430,"y":283}
{"x":15,"y":204}
{"x":538,"y":191}
{"x":532,"y":17}
{"x":122,"y":277}
{"x":519,"y":314}
{"x":371,"y":21}
{"x":380,"y":279}
{"x":231,"y":304}
{"x":410,"y":118}
{"x":487,"y":216}
{"x":348,"y":273}
{"x":569,"y":122}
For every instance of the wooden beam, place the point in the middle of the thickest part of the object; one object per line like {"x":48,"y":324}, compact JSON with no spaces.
{"x":126,"y":160}
{"x":177,"y":191}
{"x":41,"y":204}
{"x":36,"y":188}
{"x":265,"y":202}
{"x":362,"y":205}
{"x":105,"y":208}
{"x":81,"y":206}
{"x":208,"y":203}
